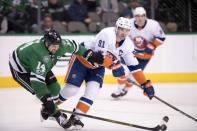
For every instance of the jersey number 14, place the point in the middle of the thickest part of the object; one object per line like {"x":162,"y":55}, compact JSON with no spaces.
{"x":40,"y":69}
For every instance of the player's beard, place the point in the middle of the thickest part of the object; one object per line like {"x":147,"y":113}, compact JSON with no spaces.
{"x":52,"y":51}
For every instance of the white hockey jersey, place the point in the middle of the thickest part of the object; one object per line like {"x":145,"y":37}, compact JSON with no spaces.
{"x":105,"y":41}
{"x":151,"y":31}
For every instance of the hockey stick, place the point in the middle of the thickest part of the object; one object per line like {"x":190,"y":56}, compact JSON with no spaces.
{"x":161,"y":126}
{"x":166,"y":103}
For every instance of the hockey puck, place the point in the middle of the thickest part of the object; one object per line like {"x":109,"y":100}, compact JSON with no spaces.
{"x":166,"y":118}
{"x":163,"y":127}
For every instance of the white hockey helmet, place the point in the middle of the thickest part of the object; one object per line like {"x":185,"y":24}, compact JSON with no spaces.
{"x":123,"y":23}
{"x":139,"y":11}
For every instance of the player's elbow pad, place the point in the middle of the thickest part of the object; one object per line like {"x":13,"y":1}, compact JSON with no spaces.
{"x":118,"y":72}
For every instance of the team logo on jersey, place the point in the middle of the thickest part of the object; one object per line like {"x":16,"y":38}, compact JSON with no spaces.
{"x":40,"y":72}
{"x":140,"y":42}
{"x":46,"y":59}
{"x":74,"y":76}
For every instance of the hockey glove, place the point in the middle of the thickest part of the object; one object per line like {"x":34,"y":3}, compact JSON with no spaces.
{"x":95,"y":58}
{"x":149,"y":49}
{"x":148,"y":89}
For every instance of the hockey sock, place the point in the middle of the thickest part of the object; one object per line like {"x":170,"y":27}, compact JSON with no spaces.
{"x":84,"y":104}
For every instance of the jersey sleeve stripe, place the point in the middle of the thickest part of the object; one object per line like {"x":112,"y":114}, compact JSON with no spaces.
{"x":38,"y":76}
{"x":36,"y":79}
{"x":76,"y":47}
{"x":14,"y":57}
{"x":160,"y":38}
{"x":23,"y":82}
{"x":16,"y":60}
{"x":24,"y":70}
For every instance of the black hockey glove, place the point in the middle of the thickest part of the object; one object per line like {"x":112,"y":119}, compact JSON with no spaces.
{"x":148,"y":89}
{"x":95,"y":58}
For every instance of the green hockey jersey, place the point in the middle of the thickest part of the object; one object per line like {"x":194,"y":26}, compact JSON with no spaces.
{"x":33,"y":57}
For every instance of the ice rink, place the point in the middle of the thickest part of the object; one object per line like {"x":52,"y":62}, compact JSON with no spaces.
{"x":19,"y":111}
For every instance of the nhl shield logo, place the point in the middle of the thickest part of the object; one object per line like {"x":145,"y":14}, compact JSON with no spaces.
{"x":46,"y":59}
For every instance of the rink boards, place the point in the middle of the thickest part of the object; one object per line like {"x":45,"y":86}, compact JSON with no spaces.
{"x":174,"y":61}
{"x":109,"y":79}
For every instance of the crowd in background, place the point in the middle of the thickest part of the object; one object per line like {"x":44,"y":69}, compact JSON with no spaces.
{"x":21,"y":16}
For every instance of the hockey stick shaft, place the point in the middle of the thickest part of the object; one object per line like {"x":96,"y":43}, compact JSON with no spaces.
{"x":110,"y":120}
{"x":166,"y":103}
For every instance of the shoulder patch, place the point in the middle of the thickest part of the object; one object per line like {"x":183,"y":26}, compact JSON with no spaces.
{"x":46,"y":59}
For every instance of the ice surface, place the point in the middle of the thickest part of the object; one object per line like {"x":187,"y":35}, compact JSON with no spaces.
{"x":19,"y":110}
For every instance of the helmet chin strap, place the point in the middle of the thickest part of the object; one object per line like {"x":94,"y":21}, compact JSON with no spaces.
{"x":117,"y":37}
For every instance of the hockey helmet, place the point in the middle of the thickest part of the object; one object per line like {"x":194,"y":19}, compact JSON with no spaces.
{"x":52,"y":37}
{"x":123,"y":23}
{"x":139,"y":11}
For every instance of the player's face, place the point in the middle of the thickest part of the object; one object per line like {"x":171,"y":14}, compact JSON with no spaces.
{"x":47,"y":22}
{"x":52,"y":48}
{"x":122,"y":33}
{"x":140,"y":20}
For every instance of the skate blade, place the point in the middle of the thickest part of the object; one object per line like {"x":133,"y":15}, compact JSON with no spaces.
{"x":52,"y":118}
{"x":73,"y":128}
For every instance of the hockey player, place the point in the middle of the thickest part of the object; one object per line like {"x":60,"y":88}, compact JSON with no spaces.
{"x":115,"y":44}
{"x":31,"y":65}
{"x":147,"y":35}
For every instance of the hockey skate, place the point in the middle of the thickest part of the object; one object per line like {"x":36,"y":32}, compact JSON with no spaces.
{"x":61,"y":119}
{"x":43,"y":114}
{"x":119,"y":93}
{"x":74,"y":123}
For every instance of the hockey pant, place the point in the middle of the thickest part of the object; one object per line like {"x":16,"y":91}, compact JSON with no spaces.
{"x":24,"y":80}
